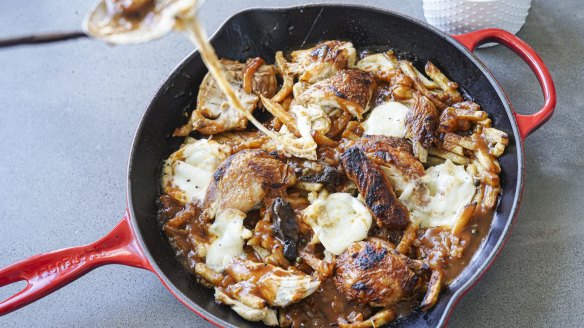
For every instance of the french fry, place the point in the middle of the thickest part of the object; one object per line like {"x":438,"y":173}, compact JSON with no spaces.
{"x":402,"y":92}
{"x":486,"y":122}
{"x":487,"y":177}
{"x":288,"y":82}
{"x":323,"y":140}
{"x":449,"y":87}
{"x":286,"y":118}
{"x":496,"y":162}
{"x":209,"y":274}
{"x":478,"y":197}
{"x":471,"y":169}
{"x":496,"y":136}
{"x":471,"y":115}
{"x":430,"y":85}
{"x":433,"y":161}
{"x":409,"y":236}
{"x":420,"y":152}
{"x":451,"y":147}
{"x":463,"y":218}
{"x":497,"y":150}
{"x":448,"y":155}
{"x":379,"y":319}
{"x":434,"y":288}
{"x":486,"y":161}
{"x":410,"y":71}
{"x":309,"y":186}
{"x":491,"y":196}
{"x":238,"y":293}
{"x":464,"y":142}
{"x":286,"y":103}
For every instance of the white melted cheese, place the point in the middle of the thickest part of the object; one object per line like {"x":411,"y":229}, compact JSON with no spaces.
{"x":188,"y":171}
{"x":439,"y":196}
{"x":388,"y":119}
{"x":230,"y":236}
{"x":338,"y":220}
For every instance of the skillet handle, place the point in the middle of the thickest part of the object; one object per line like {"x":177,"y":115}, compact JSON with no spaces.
{"x":527,"y":123}
{"x":48,"y":272}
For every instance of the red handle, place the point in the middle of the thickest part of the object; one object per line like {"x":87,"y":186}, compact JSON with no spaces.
{"x":527,"y":123}
{"x":48,"y":272}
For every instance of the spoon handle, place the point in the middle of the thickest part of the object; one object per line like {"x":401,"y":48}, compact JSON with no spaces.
{"x":41,"y":38}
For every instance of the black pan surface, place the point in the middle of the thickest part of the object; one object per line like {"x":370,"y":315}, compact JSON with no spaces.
{"x":261,"y":32}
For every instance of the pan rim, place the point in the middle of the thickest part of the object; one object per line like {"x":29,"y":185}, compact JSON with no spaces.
{"x":463,"y":287}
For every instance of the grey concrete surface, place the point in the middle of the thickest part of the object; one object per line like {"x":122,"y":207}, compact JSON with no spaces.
{"x":68,"y":113}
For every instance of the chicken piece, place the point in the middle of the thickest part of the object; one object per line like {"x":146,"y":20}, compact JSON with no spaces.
{"x":349,"y":89}
{"x":372,"y":272}
{"x":243,"y":180}
{"x":322,"y":61}
{"x":265,"y":314}
{"x":240,"y":140}
{"x":275,"y":285}
{"x":395,"y":156}
{"x":375,"y":188}
{"x":383,"y":65}
{"x":214,"y":114}
{"x":421,"y":125}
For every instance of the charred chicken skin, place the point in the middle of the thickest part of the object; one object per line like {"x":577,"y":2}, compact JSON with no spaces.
{"x":372,"y":272}
{"x":244,"y":179}
{"x":375,"y":188}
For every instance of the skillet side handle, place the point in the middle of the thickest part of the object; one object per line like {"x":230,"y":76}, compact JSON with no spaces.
{"x":48,"y":272}
{"x":527,"y":123}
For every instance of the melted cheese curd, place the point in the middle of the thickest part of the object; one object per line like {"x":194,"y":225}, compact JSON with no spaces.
{"x":188,"y":171}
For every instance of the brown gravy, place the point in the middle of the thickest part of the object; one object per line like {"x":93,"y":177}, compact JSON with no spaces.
{"x":327,"y":305}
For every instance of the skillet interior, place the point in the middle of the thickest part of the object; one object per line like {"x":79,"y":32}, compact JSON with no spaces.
{"x":260,"y":32}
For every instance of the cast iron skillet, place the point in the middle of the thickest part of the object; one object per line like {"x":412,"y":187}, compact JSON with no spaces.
{"x":137,"y":240}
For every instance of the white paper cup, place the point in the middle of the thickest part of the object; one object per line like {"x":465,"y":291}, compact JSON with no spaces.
{"x":463,"y":16}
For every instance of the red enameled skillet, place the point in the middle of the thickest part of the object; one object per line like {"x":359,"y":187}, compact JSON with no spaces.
{"x":137,"y":240}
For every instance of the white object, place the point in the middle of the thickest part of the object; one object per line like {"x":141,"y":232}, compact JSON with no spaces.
{"x":338,"y":220}
{"x":388,"y":119}
{"x":464,"y":16}
{"x":230,"y":235}
{"x":439,"y":196}
{"x":188,"y":171}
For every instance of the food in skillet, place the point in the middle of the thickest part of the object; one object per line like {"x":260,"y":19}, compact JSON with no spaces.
{"x":343,"y":187}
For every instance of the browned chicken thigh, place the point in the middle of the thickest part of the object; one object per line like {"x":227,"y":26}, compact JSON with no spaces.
{"x":372,"y":272}
{"x":243,"y":180}
{"x":214,"y":114}
{"x":349,"y":89}
{"x":375,"y":188}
